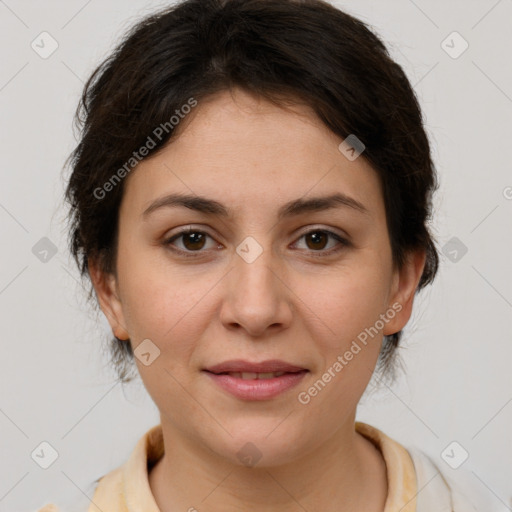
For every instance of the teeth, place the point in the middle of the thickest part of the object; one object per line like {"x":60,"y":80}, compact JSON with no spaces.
{"x":253,"y":376}
{"x":248,"y":376}
{"x":270,"y":375}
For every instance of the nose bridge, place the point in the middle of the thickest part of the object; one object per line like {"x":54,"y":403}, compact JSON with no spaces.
{"x":254,"y":271}
{"x":256,"y":298}
{"x":259,"y":273}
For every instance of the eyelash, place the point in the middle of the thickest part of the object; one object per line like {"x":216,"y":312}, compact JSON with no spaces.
{"x":317,"y":254}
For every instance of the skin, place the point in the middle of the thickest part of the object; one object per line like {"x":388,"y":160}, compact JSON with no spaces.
{"x":253,"y":157}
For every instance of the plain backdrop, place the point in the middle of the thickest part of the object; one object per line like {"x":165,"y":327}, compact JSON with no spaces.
{"x":56,"y":386}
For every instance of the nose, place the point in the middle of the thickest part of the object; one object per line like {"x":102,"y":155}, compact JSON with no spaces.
{"x":256,"y":296}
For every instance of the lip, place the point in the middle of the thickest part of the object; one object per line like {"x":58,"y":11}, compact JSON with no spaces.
{"x":240,"y":365}
{"x":256,"y":389}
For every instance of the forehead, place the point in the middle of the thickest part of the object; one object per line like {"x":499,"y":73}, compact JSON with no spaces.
{"x":235,"y":146}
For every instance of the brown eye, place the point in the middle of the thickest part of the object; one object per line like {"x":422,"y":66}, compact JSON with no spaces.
{"x":318,"y":240}
{"x":193,"y":241}
{"x":190,"y":241}
{"x":323,"y":242}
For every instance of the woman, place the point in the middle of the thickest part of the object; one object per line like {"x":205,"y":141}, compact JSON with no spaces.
{"x":250,"y":199}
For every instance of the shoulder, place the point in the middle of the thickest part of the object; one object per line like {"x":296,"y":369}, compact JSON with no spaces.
{"x":126,"y":483}
{"x":105,"y":491}
{"x":450,"y":490}
{"x":435,"y":485}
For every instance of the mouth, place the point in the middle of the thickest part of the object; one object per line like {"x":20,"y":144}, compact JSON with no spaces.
{"x":250,"y":367}
{"x":252,"y":375}
{"x":256,"y":381}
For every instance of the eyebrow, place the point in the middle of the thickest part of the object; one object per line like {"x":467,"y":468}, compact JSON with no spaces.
{"x":290,"y":209}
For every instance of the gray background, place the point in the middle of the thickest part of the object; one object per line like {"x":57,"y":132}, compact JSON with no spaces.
{"x":55,"y":385}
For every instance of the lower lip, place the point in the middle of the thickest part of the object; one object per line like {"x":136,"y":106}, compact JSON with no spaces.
{"x":257,"y":389}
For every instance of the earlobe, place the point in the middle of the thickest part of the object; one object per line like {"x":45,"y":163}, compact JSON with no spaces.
{"x":107,"y":293}
{"x":405,"y":284}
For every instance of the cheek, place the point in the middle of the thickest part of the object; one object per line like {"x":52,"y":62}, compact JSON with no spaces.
{"x":346,"y":302}
{"x":172,"y":314}
{"x":163,"y":305}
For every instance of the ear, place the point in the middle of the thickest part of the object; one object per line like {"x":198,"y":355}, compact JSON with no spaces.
{"x":405,"y":283}
{"x":107,"y":292}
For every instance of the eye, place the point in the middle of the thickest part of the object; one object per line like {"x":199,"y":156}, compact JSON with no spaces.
{"x":192,"y":240}
{"x":316,"y":241}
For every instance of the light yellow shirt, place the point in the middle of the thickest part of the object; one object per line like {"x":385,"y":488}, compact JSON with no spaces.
{"x":126,"y":488}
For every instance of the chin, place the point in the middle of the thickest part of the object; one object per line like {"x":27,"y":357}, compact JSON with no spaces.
{"x":259,"y":443}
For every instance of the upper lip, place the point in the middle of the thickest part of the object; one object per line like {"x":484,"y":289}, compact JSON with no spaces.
{"x":239,"y":365}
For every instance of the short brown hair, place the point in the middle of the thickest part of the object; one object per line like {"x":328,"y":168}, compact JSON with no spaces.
{"x":277,"y":49}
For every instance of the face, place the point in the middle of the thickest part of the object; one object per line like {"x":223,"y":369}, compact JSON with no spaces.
{"x":263,"y":267}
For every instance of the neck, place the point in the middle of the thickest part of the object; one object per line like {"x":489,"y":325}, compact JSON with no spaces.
{"x":347,"y":474}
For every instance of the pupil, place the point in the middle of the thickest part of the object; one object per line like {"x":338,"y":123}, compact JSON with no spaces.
{"x":196,"y":238}
{"x":318,"y":237}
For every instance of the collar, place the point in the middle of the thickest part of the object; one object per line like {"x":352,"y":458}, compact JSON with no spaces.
{"x":126,"y":489}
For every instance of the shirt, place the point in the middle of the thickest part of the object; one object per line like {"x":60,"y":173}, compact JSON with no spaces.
{"x":415,"y":482}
